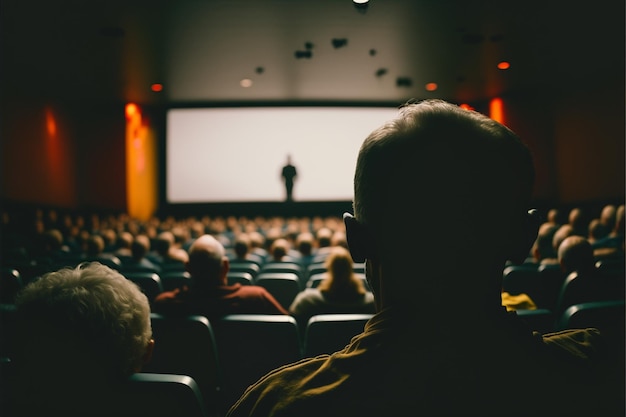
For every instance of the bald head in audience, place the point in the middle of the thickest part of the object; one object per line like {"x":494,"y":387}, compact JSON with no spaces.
{"x":208,"y":264}
{"x":576,"y":254}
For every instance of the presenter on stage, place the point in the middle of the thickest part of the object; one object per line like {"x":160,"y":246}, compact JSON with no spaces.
{"x":289,"y":175}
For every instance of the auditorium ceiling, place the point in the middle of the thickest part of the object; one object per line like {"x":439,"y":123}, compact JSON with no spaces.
{"x":202,"y":51}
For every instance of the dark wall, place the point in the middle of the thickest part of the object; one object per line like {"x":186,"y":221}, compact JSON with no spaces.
{"x":63,"y":155}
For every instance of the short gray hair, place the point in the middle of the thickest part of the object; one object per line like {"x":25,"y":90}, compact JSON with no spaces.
{"x":432,"y":145}
{"x":94,"y":303}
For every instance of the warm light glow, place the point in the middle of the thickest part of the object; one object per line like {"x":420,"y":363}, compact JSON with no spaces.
{"x":157,"y":87}
{"x":496,"y":110}
{"x":51,"y":124}
{"x":140,"y":166}
{"x":360,"y":1}
{"x":431,"y":86}
{"x":55,"y":154}
{"x":466,"y":106}
{"x":504,"y":65}
{"x":131,"y":110}
{"x":245,"y":83}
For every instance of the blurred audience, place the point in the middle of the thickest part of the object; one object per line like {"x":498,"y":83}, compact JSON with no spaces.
{"x":139,"y":261}
{"x":209,"y":293}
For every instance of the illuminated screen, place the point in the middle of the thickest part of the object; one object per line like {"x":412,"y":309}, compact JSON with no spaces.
{"x":238,"y":154}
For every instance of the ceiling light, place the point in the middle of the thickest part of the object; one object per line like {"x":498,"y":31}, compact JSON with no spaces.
{"x":504,"y":65}
{"x":361,"y":5}
{"x":245,"y":83}
{"x":339,"y":42}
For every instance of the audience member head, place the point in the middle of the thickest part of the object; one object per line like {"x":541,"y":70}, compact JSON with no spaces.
{"x":542,"y":248}
{"x":597,"y":230}
{"x":52,"y":240}
{"x":620,"y":217}
{"x":279,"y":249}
{"x":441,"y":173}
{"x":305,"y":243}
{"x":553,"y":216}
{"x":208,"y":264}
{"x":577,"y":220}
{"x":257,"y":240}
{"x":242,"y":245}
{"x":163,"y":242}
{"x":341,"y":282}
{"x":607,"y":217}
{"x":95,"y":245}
{"x":80,"y":330}
{"x":140,"y":247}
{"x":560,"y":235}
{"x":576,"y":254}
{"x":324,"y":237}
{"x":124,"y":240}
{"x":339,"y":239}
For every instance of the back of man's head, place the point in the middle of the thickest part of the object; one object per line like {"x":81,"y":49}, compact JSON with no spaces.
{"x":163,"y":242}
{"x":242,"y":245}
{"x":207,"y":263}
{"x":79,"y":330}
{"x":576,"y":254}
{"x":542,"y":248}
{"x":440,"y":186}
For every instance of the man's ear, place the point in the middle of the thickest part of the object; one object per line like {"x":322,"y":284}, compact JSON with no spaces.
{"x":359,"y":239}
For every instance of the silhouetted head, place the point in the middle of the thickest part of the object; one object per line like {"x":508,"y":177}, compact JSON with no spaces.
{"x":304,"y":243}
{"x":561,"y":233}
{"x":576,"y":254}
{"x":242,"y":245}
{"x":208,"y":264}
{"x":140,"y":247}
{"x":440,"y":190}
{"x":542,"y":248}
{"x":163,"y":242}
{"x":607,"y":216}
{"x":95,"y":245}
{"x":279,"y":249}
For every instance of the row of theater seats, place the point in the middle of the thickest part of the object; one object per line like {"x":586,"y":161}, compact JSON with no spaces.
{"x":223,"y":357}
{"x":220,"y":359}
{"x":208,"y":365}
{"x":283,"y":280}
{"x":571,"y":300}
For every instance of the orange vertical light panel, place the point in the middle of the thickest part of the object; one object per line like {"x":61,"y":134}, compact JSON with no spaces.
{"x":496,"y":110}
{"x":54,"y":150}
{"x":140,"y":165}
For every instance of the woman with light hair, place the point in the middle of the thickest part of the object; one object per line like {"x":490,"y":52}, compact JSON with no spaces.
{"x":341,"y":291}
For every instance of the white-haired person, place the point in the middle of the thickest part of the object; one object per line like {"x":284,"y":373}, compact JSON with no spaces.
{"x":429,"y":187}
{"x":81,"y":332}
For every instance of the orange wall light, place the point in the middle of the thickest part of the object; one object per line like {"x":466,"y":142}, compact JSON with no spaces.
{"x":141,"y":175}
{"x":496,"y":110}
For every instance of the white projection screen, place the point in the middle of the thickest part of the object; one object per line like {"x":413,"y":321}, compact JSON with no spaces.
{"x":236,"y":154}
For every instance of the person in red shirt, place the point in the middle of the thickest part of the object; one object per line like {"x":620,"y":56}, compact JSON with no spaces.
{"x":209,"y":293}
